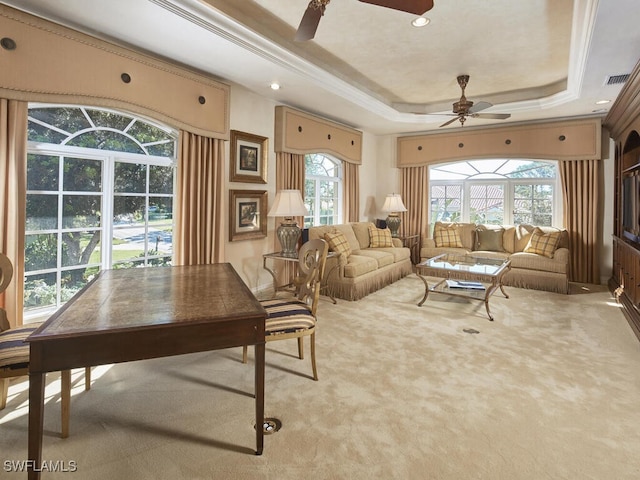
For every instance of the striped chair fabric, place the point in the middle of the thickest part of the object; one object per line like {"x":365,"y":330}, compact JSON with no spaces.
{"x":287,"y":316}
{"x":14,"y":351}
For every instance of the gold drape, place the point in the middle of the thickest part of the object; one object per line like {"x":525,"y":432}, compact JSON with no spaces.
{"x":351,"y":192}
{"x":415,"y":194}
{"x":13,"y":185}
{"x":199,"y":229}
{"x":582,"y":184}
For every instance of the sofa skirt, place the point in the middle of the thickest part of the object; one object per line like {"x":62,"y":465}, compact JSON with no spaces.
{"x":356,"y":288}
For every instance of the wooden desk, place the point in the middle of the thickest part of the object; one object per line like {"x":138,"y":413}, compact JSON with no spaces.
{"x":141,"y":313}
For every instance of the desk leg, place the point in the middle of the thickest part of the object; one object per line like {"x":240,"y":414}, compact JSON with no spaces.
{"x":259,"y":354}
{"x":36,"y":419}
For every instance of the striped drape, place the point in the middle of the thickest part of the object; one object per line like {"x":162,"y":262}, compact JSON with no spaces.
{"x":351,"y":192}
{"x":415,"y":194}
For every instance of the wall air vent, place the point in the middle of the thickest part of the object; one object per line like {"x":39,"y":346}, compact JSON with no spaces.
{"x":617,"y":79}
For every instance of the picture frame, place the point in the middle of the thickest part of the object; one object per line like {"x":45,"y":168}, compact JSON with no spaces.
{"x":247,"y":214}
{"x":248,"y":158}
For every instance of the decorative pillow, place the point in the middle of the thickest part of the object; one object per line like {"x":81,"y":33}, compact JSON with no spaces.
{"x":338,"y":242}
{"x":543,"y":243}
{"x":380,"y":237}
{"x":447,"y":236}
{"x":489,"y":239}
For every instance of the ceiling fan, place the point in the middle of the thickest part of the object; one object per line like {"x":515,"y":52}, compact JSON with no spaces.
{"x":464,"y":108}
{"x":315,"y":10}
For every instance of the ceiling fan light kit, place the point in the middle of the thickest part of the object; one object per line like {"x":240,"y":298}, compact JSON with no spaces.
{"x":315,"y":11}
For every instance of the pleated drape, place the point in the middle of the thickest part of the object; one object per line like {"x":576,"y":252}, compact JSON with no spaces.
{"x":415,"y":194}
{"x":351,"y":192}
{"x":199,"y":228}
{"x":582,"y":184}
{"x":13,"y":194}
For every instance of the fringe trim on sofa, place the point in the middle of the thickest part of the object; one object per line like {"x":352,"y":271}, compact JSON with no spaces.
{"x":549,"y":283}
{"x":357,"y":288}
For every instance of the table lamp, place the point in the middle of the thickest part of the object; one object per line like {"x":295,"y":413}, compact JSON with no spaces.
{"x":288,"y":204}
{"x":393,"y":204}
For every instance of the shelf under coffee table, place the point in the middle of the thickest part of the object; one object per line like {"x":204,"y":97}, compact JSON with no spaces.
{"x":486,"y":272}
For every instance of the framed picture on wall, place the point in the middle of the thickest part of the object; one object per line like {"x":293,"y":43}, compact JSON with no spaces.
{"x":248,"y":158}
{"x":247,"y":214}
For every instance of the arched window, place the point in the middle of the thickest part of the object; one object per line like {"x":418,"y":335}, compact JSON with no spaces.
{"x":323,"y":190}
{"x":497,"y":191}
{"x":99,"y":195}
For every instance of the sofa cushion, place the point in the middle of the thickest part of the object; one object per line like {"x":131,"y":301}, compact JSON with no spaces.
{"x":349,"y":234}
{"x":489,"y":238}
{"x":338,"y":242}
{"x":383,"y":258}
{"x":533,"y":261}
{"x":379,"y":237}
{"x":399,"y":254}
{"x":361,"y":232}
{"x":542,"y":243}
{"x":359,"y":265}
{"x":446,"y":235}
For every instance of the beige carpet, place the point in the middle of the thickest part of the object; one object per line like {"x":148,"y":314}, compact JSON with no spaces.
{"x":550,"y":389}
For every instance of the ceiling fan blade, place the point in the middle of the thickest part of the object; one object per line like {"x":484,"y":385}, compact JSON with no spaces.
{"x":417,"y":7}
{"x":309,"y":23}
{"x":449,"y":122}
{"x":497,"y":116}
{"x":480,"y":106}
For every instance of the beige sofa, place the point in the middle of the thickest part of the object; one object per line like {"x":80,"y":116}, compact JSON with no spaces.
{"x":548,"y":271}
{"x":365,"y":269}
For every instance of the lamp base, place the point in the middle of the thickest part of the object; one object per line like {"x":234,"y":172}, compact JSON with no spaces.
{"x":393,"y":223}
{"x":288,"y":233}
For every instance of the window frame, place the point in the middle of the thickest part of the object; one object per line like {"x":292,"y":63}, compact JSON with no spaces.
{"x":314,"y":220}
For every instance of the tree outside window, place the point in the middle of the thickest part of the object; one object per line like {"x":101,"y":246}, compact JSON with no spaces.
{"x":99,"y":195}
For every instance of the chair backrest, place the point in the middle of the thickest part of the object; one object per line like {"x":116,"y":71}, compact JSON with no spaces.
{"x":312,"y":258}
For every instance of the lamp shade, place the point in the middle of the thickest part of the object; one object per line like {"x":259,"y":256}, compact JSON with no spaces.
{"x":393,"y":203}
{"x":288,"y":203}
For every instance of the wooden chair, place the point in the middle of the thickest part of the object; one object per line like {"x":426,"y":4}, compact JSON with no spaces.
{"x":295,"y":317}
{"x":14,"y":354}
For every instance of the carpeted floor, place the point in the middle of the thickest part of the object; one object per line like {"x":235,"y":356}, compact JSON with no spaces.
{"x":550,"y":389}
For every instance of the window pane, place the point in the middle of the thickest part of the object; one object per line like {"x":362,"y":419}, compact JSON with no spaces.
{"x":160,"y":179}
{"x":69,"y":119}
{"x":160,"y":241}
{"x":160,"y":209}
{"x":128,"y":210}
{"x":82,"y":175}
{"x":106,"y":140}
{"x":81,"y":211}
{"x":128,"y":244}
{"x":130,"y":178}
{"x":42,"y":172}
{"x":73,"y":281}
{"x":40,"y":290}
{"x":78,"y":247}
{"x":40,"y":252}
{"x":42,"y":212}
{"x":101,"y":118}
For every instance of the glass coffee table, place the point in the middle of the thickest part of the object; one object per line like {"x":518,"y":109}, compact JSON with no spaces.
{"x":464,"y":276}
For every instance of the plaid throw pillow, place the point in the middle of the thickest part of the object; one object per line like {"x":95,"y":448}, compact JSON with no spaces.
{"x":338,"y":242}
{"x":447,"y":236}
{"x":380,"y":237}
{"x":543,"y":243}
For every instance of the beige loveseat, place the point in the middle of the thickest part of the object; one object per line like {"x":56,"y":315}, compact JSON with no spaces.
{"x":546,"y":270}
{"x":361,"y":267}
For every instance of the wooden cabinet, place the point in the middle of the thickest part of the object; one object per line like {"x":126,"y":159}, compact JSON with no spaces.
{"x":625,"y":280}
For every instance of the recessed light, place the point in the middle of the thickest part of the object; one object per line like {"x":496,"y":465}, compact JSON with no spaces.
{"x":602,"y":102}
{"x":275,"y":86}
{"x":420,"y":21}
